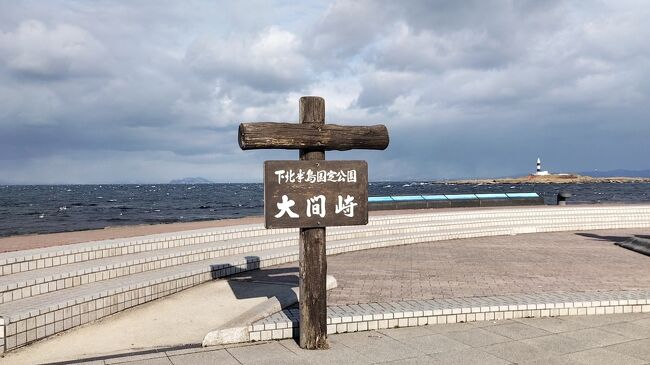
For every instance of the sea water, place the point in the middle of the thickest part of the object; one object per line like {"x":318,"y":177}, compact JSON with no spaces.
{"x":26,"y":209}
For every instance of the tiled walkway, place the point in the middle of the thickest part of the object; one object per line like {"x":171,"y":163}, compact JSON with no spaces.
{"x":606,"y":339}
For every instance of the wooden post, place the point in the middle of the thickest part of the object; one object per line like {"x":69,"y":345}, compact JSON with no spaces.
{"x":313,"y":260}
{"x":312,"y":137}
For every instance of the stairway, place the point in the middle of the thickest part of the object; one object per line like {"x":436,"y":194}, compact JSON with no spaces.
{"x":49,"y":290}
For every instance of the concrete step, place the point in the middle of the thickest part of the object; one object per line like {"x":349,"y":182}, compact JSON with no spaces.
{"x":27,"y":260}
{"x":411,"y":313}
{"x":40,"y":281}
{"x":29,"y":319}
{"x":21,"y":261}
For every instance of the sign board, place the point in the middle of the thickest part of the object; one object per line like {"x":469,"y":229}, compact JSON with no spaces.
{"x":315,"y":193}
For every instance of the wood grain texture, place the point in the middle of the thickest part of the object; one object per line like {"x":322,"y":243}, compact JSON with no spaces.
{"x":328,"y":137}
{"x":312,"y":255}
{"x":313,"y":290}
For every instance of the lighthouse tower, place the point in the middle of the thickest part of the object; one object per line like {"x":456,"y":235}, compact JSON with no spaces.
{"x":539,"y":171}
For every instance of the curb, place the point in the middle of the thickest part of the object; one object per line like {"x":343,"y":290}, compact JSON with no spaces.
{"x":411,"y":313}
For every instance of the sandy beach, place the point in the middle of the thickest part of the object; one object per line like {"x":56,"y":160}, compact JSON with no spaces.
{"x":25,"y":242}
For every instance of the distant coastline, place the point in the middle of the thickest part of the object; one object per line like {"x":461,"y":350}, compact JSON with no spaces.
{"x":554,"y":179}
{"x":191,"y":180}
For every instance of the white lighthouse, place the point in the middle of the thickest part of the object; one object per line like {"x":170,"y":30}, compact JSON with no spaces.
{"x":539,"y":171}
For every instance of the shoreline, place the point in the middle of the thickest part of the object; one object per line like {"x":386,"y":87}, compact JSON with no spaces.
{"x":42,"y":240}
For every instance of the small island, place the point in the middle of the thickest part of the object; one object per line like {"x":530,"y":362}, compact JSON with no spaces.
{"x":544,"y":177}
{"x":553,"y":179}
{"x":191,"y":180}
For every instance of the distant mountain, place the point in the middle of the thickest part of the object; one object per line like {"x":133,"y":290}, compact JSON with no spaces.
{"x":616,"y":173}
{"x":191,"y":180}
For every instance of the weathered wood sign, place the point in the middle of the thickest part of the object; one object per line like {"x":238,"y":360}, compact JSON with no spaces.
{"x":291,"y":136}
{"x":315,"y":193}
{"x":312,"y":138}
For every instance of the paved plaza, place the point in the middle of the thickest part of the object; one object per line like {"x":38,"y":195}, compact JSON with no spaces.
{"x":559,"y":262}
{"x":563,"y":262}
{"x":565,"y":265}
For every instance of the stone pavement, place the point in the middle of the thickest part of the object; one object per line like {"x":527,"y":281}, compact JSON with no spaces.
{"x":605,"y":339}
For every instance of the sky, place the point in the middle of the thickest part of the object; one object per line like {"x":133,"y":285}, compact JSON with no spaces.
{"x":149,"y":91}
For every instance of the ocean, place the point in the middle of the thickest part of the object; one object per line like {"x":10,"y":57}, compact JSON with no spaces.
{"x":28,"y":209}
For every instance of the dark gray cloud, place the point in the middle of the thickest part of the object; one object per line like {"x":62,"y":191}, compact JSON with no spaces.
{"x":149,"y":91}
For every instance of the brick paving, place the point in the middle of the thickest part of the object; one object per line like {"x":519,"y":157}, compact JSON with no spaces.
{"x":562,"y":262}
{"x":523,"y":264}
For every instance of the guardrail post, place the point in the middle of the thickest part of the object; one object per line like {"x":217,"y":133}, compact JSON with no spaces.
{"x":562,"y":197}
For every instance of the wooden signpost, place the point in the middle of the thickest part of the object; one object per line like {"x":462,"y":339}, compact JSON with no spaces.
{"x":312,"y":193}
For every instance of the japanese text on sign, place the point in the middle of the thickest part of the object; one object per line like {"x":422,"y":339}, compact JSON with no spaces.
{"x":315,"y":193}
{"x":316,"y":206}
{"x":319,"y":176}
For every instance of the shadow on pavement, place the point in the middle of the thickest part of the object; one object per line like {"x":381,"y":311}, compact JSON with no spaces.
{"x":127,"y":355}
{"x":254,"y":282}
{"x":637,"y":243}
{"x":614,"y":239}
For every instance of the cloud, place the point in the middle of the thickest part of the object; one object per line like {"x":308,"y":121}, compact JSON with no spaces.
{"x":33,"y":50}
{"x":383,"y":87}
{"x":267,"y":61}
{"x":344,"y":31}
{"x":102,"y":91}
